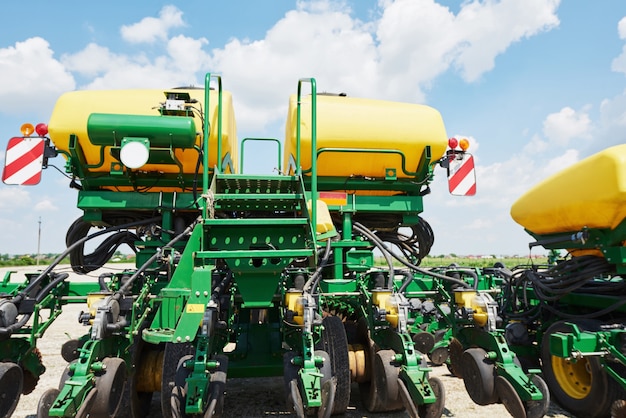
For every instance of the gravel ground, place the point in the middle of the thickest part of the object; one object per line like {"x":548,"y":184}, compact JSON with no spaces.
{"x":260,"y":397}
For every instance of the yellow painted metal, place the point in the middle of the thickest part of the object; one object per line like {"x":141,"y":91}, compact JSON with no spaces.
{"x":574,"y":378}
{"x":346,"y":122}
{"x":72,"y":110}
{"x":384,"y":300}
{"x":590,"y":193}
{"x":323,"y":220}
{"x":294,"y":303}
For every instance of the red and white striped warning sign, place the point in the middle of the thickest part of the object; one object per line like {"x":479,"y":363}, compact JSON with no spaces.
{"x":23,"y":162}
{"x":462,"y":177}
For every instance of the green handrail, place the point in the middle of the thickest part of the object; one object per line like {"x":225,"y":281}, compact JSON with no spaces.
{"x":207,"y":133}
{"x":259,"y":139}
{"x":313,"y":147}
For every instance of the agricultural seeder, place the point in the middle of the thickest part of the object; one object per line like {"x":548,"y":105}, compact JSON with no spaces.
{"x":572,"y":314}
{"x":244,"y":275}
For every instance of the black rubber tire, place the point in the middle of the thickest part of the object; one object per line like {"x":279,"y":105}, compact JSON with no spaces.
{"x":110,"y":386}
{"x":179,"y":391}
{"x":46,"y":401}
{"x":434,"y":410}
{"x":334,"y":341}
{"x":67,"y":373}
{"x":327,"y":371}
{"x":509,"y":397}
{"x":455,"y":361}
{"x":537,"y":409}
{"x":217,"y":388}
{"x":290,"y":372}
{"x":479,"y":376}
{"x":135,"y":404}
{"x":601,"y":391}
{"x":172,"y":355}
{"x":386,"y":376}
{"x":11,"y":383}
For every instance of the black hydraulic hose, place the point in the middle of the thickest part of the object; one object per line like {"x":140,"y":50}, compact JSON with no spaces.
{"x":471,"y":273}
{"x":85,"y":263}
{"x":315,"y":277}
{"x":20,"y":296}
{"x":381,"y":246}
{"x":414,"y":267}
{"x":13,"y":327}
{"x":56,"y":279}
{"x":217,"y":290}
{"x":126,"y":286}
{"x":409,"y":278}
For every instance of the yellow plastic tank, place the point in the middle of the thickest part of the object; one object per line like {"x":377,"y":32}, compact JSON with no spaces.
{"x":72,"y":110}
{"x":590,"y":193}
{"x":347,"y":122}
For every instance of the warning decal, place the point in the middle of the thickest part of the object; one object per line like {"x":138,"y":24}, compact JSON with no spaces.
{"x":23,"y":161}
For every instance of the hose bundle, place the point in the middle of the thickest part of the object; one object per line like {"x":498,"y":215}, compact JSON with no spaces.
{"x":414,"y":247}
{"x":84,"y":263}
{"x":584,"y":274}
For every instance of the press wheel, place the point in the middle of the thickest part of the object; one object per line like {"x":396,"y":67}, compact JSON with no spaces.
{"x":295,"y":398}
{"x":110,"y":387}
{"x":478,"y":376}
{"x":537,"y":409}
{"x":146,"y":372}
{"x":386,"y":376}
{"x":171,"y":356}
{"x":46,"y":401}
{"x":434,"y":410}
{"x":217,"y":386}
{"x":179,"y":391}
{"x":455,"y":358}
{"x":11,"y":383}
{"x":334,"y":341}
{"x":509,"y":397}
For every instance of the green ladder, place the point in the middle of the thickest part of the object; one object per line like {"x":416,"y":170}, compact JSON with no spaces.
{"x":258,"y":225}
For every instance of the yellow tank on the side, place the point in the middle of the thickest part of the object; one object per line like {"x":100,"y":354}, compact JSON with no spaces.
{"x":72,"y":111}
{"x":346,"y":122}
{"x":590,"y":193}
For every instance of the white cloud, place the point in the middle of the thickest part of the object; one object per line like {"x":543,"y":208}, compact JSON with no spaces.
{"x":30,"y":73}
{"x":621,"y":28}
{"x":14,"y":197}
{"x":567,"y":124}
{"x":418,"y":40}
{"x":560,"y":162}
{"x":45,"y":205}
{"x":619,"y":63}
{"x":152,"y":29}
{"x":488,"y":28}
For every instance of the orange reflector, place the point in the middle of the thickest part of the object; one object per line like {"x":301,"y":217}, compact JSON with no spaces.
{"x":334,"y":198}
{"x":27,"y":129}
{"x":464,"y":144}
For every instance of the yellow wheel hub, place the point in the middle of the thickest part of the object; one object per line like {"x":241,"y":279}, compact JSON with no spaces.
{"x":574,"y":377}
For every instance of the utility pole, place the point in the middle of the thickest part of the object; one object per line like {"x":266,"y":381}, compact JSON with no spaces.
{"x":39,"y":242}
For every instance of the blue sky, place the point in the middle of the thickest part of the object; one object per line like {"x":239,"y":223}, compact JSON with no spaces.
{"x":535,"y":84}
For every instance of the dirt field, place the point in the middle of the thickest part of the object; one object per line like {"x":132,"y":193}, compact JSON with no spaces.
{"x":244,"y":397}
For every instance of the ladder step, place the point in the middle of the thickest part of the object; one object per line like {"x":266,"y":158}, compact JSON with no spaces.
{"x":255,"y":253}
{"x":258,"y":197}
{"x":256,"y":221}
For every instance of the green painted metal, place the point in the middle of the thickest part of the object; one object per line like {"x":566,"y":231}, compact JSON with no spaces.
{"x":278,"y":147}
